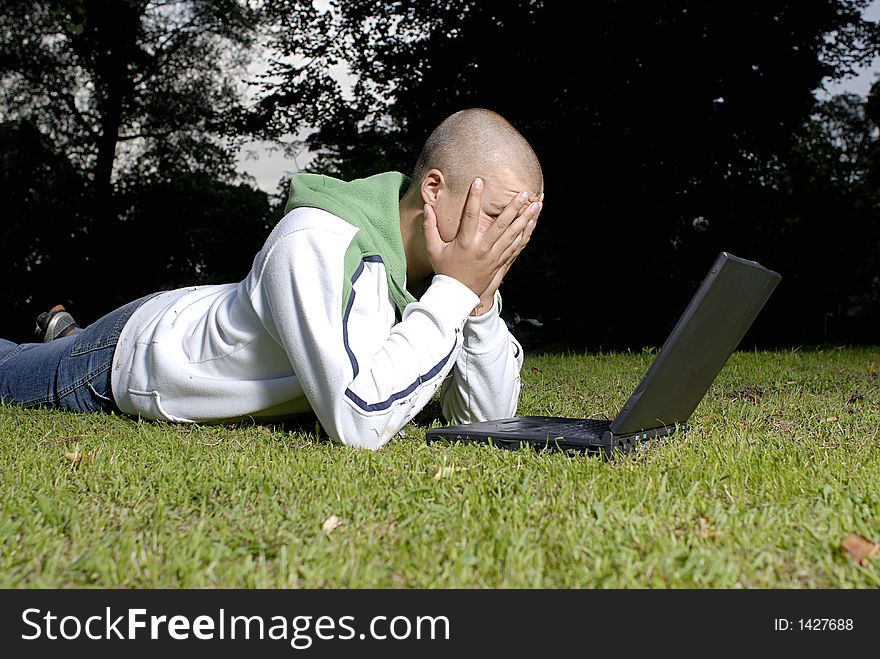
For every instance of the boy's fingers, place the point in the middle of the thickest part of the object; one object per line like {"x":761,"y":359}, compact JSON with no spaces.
{"x":470,"y":219}
{"x":518,"y":226}
{"x":519,"y":241}
{"x":534,"y":221}
{"x":510,"y":254}
{"x":510,"y":213}
{"x":530,"y":227}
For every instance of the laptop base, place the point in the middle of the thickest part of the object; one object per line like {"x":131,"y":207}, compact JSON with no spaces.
{"x":544,"y":432}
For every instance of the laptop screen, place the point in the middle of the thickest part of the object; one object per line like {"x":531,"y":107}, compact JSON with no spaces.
{"x":709,"y":330}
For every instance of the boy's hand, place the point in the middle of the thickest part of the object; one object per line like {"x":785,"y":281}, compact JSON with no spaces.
{"x":477,"y":258}
{"x":487,"y":299}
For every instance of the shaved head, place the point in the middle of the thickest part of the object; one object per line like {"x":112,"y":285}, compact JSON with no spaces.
{"x":478,"y":142}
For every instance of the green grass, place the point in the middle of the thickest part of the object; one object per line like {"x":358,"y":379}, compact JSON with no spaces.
{"x":781,"y":464}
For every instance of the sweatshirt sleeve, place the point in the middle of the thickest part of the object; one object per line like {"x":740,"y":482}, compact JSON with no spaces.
{"x":364,"y":375}
{"x":485,"y":382}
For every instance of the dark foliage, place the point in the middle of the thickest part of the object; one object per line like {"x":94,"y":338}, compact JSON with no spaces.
{"x":118,"y":166}
{"x":668,"y":131}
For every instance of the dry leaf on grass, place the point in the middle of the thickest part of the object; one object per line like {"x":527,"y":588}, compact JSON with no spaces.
{"x":76,"y":457}
{"x":872,"y":368}
{"x":704,"y":531}
{"x":831,"y":419}
{"x":330,"y":523}
{"x":859,"y":548}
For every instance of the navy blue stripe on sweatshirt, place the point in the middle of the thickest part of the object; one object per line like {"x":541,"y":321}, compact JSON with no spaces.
{"x":357,"y":273}
{"x":388,"y":402}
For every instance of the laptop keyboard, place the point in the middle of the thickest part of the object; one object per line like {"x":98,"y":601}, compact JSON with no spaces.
{"x":570,"y":427}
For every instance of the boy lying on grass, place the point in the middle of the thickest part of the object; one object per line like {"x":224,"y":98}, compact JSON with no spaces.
{"x":366,"y":298}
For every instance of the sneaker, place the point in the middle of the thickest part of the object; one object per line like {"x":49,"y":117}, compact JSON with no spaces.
{"x":54,"y":324}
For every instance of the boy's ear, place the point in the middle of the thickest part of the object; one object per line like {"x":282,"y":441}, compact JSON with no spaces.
{"x":431,"y":184}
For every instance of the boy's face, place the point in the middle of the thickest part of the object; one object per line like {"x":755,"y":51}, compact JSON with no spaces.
{"x":499,"y":190}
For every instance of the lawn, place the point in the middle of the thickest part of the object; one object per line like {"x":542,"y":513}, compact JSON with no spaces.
{"x":781,"y":465}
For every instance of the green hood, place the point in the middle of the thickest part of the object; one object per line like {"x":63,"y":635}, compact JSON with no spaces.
{"x":370,"y":204}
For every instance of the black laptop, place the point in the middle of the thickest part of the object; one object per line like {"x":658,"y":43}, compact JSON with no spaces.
{"x":709,"y":330}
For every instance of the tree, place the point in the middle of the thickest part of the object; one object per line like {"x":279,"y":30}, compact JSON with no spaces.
{"x":655,"y":124}
{"x":825,"y":198}
{"x":136,"y":98}
{"x":142,"y":78}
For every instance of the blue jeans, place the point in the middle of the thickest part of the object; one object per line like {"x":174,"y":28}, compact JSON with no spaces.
{"x":70,"y":373}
